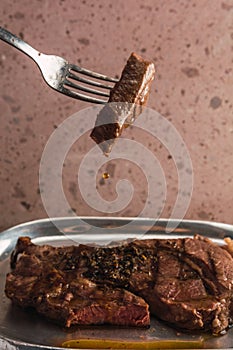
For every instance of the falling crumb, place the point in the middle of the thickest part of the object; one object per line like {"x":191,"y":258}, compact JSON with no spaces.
{"x":105,"y":175}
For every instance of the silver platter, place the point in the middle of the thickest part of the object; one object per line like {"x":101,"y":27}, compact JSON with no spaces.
{"x":20,"y":329}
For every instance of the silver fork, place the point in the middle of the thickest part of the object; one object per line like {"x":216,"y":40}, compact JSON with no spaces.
{"x":61,"y":75}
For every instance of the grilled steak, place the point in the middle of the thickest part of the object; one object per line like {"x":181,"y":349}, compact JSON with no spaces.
{"x":125,"y":102}
{"x":186,"y":282}
{"x":50,"y":280}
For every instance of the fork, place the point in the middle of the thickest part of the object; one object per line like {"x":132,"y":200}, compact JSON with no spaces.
{"x":62,"y":75}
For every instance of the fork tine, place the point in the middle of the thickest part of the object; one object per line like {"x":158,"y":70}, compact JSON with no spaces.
{"x":88,"y":81}
{"x":82,"y":97}
{"x":84,"y":88}
{"x":92,"y":74}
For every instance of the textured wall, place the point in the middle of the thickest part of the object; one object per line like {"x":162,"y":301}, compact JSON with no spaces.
{"x":191,"y":44}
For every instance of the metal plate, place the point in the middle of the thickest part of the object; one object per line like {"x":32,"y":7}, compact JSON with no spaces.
{"x":20,"y":329}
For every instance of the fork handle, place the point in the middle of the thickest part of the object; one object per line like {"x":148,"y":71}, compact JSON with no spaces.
{"x":19,"y":44}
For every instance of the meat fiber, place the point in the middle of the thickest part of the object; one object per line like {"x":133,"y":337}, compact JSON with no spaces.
{"x":186,"y":282}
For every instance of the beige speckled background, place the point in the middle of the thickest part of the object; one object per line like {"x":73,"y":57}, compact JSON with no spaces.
{"x":191,"y":44}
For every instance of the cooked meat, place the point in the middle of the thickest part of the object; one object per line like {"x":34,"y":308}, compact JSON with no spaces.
{"x":186,"y":282}
{"x":125,"y":102}
{"x":47,"y":279}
